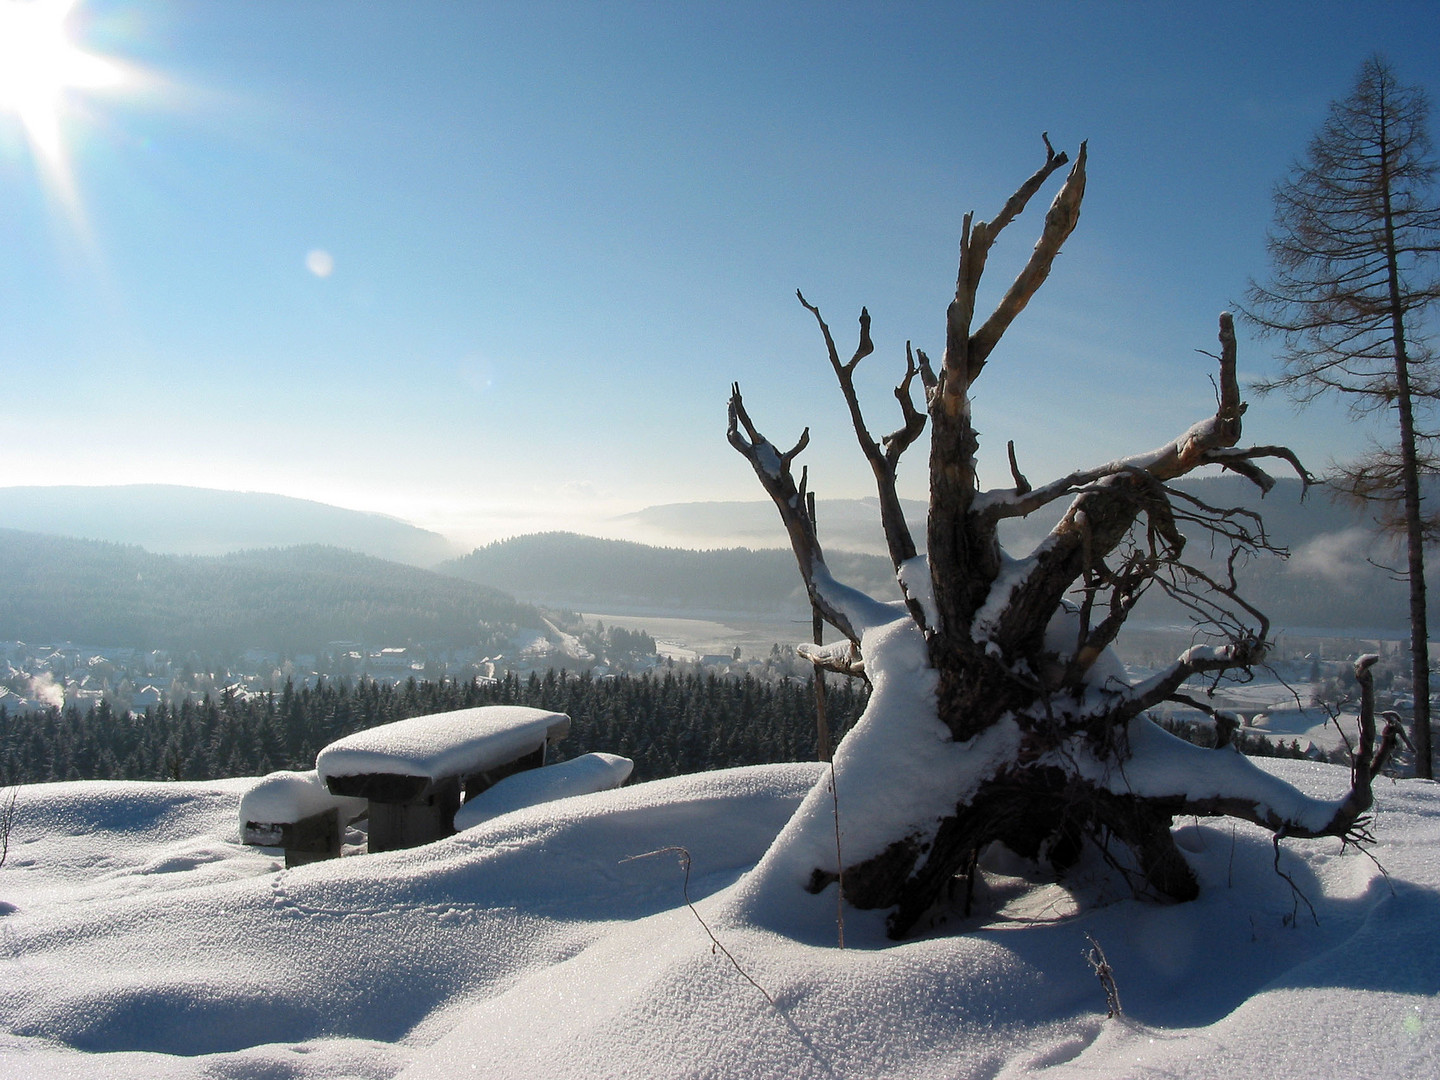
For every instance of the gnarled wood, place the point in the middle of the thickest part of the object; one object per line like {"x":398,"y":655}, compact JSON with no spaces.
{"x":882,"y":462}
{"x":987,"y":625}
{"x":773,"y":469}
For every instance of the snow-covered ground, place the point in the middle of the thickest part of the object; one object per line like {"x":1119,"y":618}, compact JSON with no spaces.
{"x":1278,"y":711}
{"x":688,"y":639}
{"x":141,"y":940}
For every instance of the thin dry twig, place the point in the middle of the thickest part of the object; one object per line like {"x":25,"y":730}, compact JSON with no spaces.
{"x":7,"y":820}
{"x":715,"y":945}
{"x":1297,"y":896}
{"x":839,"y":861}
{"x":1095,"y":957}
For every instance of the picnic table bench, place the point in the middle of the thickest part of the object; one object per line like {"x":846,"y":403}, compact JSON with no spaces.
{"x":414,"y":773}
{"x":295,"y":811}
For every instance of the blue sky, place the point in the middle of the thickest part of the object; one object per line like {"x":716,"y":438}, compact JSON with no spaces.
{"x":556,"y":233}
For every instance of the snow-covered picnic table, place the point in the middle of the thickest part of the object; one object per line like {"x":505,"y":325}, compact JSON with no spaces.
{"x":584,"y":775}
{"x":413,"y":772}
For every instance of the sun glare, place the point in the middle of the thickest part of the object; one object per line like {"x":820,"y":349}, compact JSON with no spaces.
{"x":39,"y":67}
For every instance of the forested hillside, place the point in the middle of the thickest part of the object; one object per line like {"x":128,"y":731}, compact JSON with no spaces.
{"x":287,"y":600}
{"x":668,"y":724}
{"x":584,"y":572}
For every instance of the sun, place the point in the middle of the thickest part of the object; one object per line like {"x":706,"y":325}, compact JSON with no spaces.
{"x":39,"y":67}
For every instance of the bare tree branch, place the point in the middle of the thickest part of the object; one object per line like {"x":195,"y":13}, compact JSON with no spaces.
{"x":842,"y":657}
{"x":883,"y":463}
{"x":898,"y":441}
{"x":773,"y":469}
{"x":1060,"y":222}
{"x":1194,"y":661}
{"x":1022,"y":485}
{"x":975,"y":243}
{"x":1109,"y":499}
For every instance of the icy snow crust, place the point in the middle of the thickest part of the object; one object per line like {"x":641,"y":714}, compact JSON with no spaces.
{"x":584,"y":775}
{"x":444,"y":744}
{"x":141,"y":941}
{"x":287,"y":797}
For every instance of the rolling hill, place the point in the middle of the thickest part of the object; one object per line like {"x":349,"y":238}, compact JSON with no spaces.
{"x":289,"y":599}
{"x":1330,"y":582}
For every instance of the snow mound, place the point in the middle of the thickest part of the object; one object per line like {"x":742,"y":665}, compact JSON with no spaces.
{"x":584,"y":775}
{"x":896,"y":773}
{"x":143,"y":942}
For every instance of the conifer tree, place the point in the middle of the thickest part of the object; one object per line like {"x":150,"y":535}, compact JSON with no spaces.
{"x":1357,"y":230}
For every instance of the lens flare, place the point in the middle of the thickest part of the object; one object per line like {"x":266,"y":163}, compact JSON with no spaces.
{"x":320,"y":263}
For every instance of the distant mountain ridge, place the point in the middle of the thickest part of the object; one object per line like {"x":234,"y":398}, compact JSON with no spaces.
{"x":1329,"y":583}
{"x":286,"y":600}
{"x":854,"y":524}
{"x":844,"y":524}
{"x":177,"y":520}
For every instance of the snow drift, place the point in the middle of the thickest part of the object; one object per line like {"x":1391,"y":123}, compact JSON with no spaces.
{"x":141,"y":940}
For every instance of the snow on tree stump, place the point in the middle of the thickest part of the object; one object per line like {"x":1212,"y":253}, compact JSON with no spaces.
{"x":981,"y":726}
{"x":414,"y":773}
{"x":296,"y":812}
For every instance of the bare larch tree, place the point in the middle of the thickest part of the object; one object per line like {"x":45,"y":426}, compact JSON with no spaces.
{"x":1355,"y":251}
{"x":1020,"y":647}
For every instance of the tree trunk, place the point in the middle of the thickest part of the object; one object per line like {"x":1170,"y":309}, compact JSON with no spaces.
{"x":1410,"y":474}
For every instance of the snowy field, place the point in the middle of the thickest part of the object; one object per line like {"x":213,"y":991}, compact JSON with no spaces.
{"x":1280,"y":712}
{"x":689,"y":639}
{"x":142,"y":942}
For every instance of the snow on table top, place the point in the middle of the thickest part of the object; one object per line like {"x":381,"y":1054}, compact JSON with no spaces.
{"x":287,"y":797}
{"x":443,"y":744}
{"x":583,"y":775}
